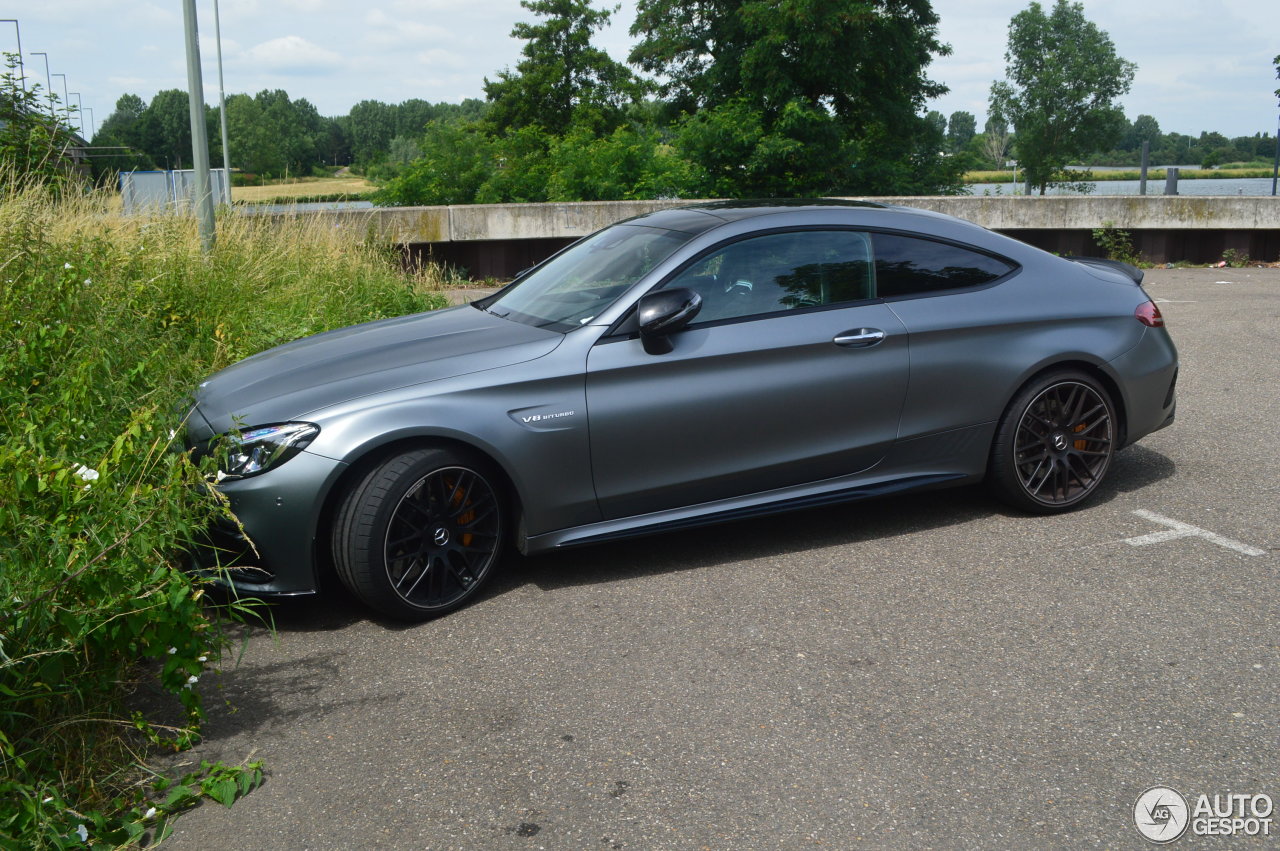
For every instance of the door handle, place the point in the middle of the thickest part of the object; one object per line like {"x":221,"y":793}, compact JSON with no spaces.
{"x":859,"y":338}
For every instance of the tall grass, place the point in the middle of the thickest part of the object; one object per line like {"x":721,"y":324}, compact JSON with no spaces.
{"x":107,"y":324}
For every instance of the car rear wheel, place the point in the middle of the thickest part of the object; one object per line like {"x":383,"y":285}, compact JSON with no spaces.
{"x":421,"y":533}
{"x":1054,"y":444}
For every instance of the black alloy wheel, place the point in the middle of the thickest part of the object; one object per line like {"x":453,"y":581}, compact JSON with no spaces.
{"x":1054,"y":445}
{"x":420,"y":534}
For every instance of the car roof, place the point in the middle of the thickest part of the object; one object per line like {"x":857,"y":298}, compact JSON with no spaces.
{"x":701,"y":217}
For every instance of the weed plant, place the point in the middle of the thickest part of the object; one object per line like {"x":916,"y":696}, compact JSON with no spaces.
{"x":107,"y":324}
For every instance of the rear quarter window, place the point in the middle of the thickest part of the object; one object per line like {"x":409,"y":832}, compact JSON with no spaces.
{"x":906,"y":265}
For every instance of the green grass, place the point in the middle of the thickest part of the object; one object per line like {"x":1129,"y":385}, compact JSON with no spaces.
{"x":1153,"y":174}
{"x":108,"y":323}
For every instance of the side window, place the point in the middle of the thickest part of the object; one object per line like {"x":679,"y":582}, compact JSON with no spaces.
{"x":780,"y":271}
{"x":907,"y":266}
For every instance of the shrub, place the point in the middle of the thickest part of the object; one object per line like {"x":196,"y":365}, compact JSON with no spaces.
{"x":108,"y":324}
{"x":1116,"y":244}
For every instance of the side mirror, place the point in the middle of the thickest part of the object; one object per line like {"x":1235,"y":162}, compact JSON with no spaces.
{"x":664,"y":312}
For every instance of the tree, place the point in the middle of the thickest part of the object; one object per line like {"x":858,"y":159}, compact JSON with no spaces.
{"x":995,"y":142}
{"x":371,"y":127}
{"x":937,"y":122}
{"x":844,"y":74}
{"x":1063,"y":78}
{"x":562,"y":79}
{"x":961,"y":128}
{"x":32,"y":145}
{"x":164,"y":129}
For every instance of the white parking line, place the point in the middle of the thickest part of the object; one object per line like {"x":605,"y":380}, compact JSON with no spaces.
{"x":1178,"y":529}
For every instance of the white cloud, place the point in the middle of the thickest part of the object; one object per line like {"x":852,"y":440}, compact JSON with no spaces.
{"x":292,"y":54}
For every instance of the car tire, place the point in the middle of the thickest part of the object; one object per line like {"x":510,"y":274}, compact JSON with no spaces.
{"x":1054,"y":444}
{"x":421,"y":533}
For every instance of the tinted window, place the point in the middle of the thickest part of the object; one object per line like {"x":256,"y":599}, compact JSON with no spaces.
{"x":905,"y":266}
{"x":781,"y":271}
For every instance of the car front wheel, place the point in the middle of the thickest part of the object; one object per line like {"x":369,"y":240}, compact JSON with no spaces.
{"x":1054,"y":444}
{"x":421,"y":533}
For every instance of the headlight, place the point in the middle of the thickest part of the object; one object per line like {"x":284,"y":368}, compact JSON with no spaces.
{"x":257,"y":450}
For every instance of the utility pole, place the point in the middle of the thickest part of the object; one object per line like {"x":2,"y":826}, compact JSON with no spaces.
{"x":222,"y":106}
{"x":199,"y":137}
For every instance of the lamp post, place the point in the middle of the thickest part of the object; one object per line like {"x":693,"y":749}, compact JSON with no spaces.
{"x":222,"y":108}
{"x":203,"y":200}
{"x":79,"y":111}
{"x":93,"y":125}
{"x":22,"y":71}
{"x":66,"y":100}
{"x":48,"y":82}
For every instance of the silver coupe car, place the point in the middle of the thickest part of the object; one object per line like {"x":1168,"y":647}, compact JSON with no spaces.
{"x":680,"y":368}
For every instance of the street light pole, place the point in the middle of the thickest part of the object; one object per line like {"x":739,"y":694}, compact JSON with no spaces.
{"x":79,"y":112}
{"x":66,"y":100}
{"x":222,"y":107}
{"x":93,"y":125}
{"x":199,"y":135}
{"x":48,"y":82}
{"x":22,"y":71}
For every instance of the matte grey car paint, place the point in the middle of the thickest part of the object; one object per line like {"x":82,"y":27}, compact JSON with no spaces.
{"x":600,"y":439}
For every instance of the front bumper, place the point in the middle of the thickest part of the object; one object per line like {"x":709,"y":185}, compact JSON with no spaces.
{"x":280,"y":512}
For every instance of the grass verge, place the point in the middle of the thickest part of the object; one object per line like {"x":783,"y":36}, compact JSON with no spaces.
{"x":108,"y":323}
{"x":1152,"y":175}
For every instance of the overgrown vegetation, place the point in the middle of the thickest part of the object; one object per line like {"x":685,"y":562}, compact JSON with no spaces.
{"x":1116,"y":244}
{"x":108,"y":324}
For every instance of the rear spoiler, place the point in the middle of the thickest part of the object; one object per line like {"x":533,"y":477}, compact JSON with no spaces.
{"x":1131,"y":272}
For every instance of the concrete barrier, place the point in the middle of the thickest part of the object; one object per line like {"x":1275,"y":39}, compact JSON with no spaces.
{"x":496,"y":240}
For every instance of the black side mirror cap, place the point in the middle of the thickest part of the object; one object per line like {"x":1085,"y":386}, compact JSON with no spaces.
{"x":664,"y":312}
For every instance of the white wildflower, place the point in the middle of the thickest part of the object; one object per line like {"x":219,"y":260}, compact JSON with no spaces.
{"x":83,"y":833}
{"x":203,"y":659}
{"x":88,"y":281}
{"x":67,"y":266}
{"x":191,"y":680}
{"x":151,"y":811}
{"x":86,"y":473}
{"x":172,"y":650}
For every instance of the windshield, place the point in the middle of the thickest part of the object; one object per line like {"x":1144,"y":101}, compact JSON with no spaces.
{"x":573,"y":288}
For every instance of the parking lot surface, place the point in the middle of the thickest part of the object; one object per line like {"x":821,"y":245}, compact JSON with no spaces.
{"x":926,"y":671}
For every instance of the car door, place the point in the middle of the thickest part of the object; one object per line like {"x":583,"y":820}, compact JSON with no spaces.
{"x":791,"y":373}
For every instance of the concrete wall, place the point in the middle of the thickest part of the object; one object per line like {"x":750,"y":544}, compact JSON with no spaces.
{"x":496,"y":240}
{"x":479,"y":222}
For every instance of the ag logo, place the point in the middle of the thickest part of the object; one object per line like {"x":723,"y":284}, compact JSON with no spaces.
{"x":1161,"y":814}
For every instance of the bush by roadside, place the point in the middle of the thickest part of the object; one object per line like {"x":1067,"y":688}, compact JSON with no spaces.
{"x":108,"y":323}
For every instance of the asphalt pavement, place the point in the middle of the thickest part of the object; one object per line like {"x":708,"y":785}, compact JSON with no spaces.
{"x":926,"y":671}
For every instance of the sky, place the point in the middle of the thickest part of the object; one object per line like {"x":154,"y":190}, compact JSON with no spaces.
{"x":1203,"y":65}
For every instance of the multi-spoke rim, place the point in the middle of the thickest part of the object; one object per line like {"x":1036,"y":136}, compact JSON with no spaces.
{"x":443,"y":537}
{"x":1063,"y":444}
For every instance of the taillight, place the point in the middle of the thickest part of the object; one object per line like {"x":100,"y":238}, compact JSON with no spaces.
{"x":1148,"y":314}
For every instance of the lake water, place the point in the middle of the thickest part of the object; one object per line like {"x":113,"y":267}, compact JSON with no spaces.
{"x":1228,"y":186}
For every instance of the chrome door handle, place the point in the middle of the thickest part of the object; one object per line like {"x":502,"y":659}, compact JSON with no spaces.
{"x":859,"y":339}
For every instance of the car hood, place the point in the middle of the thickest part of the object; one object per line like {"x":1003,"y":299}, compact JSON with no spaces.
{"x":290,"y":381}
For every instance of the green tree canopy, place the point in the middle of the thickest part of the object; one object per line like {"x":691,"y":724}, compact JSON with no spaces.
{"x":32,"y":145}
{"x":772,"y":79}
{"x":563,"y":80}
{"x":1062,"y":81}
{"x":961,"y":128}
